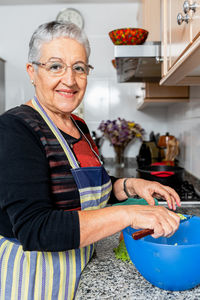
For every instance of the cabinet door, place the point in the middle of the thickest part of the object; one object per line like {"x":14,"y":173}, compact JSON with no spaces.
{"x":179,"y":34}
{"x":151,"y":19}
{"x":195,"y":21}
{"x":175,"y":37}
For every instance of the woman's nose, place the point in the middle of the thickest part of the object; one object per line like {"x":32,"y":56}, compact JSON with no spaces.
{"x":69,"y":77}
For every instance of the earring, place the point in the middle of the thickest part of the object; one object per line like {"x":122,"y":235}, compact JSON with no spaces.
{"x":32,"y":81}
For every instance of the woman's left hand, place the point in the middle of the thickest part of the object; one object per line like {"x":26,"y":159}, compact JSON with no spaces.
{"x":149,"y":189}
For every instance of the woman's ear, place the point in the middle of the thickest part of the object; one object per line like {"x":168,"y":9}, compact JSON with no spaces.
{"x":30,"y":70}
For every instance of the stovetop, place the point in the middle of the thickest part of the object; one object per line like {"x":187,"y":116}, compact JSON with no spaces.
{"x":187,"y":192}
{"x":189,"y":196}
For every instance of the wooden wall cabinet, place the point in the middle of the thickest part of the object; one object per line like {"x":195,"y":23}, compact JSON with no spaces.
{"x":175,"y":37}
{"x":180,"y":43}
{"x":154,"y":93}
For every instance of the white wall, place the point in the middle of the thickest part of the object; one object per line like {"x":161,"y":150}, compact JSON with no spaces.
{"x":184,"y":123}
{"x":105,"y":98}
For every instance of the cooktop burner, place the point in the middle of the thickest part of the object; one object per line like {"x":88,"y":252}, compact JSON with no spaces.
{"x":187,"y":192}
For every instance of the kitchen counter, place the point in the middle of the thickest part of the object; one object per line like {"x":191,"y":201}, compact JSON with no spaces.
{"x":105,"y":277}
{"x":128,"y":171}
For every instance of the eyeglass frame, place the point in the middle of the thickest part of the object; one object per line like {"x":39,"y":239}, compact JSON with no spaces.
{"x":40,"y":64}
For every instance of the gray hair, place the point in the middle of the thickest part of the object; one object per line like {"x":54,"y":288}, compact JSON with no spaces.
{"x":52,"y":30}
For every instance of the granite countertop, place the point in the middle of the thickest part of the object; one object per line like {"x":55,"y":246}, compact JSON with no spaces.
{"x":105,"y":277}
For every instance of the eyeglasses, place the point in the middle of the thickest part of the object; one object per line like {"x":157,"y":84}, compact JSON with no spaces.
{"x":58,"y":68}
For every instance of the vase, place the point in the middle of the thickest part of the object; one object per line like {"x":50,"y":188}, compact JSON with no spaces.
{"x":119,"y":156}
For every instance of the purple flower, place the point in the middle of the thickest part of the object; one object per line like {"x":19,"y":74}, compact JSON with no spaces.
{"x":121,"y":132}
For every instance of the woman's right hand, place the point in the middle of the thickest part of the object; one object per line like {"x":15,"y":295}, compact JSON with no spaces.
{"x":100,"y":223}
{"x":163,"y":221}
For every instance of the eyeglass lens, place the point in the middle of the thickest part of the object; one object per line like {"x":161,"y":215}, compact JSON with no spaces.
{"x":60,"y":68}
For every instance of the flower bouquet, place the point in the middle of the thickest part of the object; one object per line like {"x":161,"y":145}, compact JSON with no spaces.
{"x":120,"y":132}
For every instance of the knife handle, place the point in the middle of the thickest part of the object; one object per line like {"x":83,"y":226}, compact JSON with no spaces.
{"x":142,"y":233}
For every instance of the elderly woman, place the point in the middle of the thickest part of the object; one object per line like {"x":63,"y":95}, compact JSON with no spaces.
{"x":53,"y":187}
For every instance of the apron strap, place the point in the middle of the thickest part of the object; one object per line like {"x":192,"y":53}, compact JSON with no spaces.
{"x":66,"y":148}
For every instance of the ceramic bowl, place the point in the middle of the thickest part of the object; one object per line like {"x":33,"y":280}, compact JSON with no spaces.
{"x":128,"y":36}
{"x":168,"y":263}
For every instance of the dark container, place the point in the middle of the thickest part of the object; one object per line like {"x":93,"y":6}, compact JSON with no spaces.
{"x":144,"y":156}
{"x":167,"y":175}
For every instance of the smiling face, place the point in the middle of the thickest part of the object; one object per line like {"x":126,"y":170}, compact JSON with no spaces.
{"x":59,"y":94}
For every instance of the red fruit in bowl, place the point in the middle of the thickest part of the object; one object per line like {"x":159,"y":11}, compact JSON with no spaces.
{"x":128,"y":36}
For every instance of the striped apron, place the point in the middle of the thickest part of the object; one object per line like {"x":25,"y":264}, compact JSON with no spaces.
{"x":35,"y":275}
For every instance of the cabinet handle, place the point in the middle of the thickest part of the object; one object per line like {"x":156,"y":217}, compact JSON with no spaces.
{"x":187,"y":7}
{"x":159,"y":59}
{"x":181,"y":18}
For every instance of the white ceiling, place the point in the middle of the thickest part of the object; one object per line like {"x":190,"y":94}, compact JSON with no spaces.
{"x":32,"y":2}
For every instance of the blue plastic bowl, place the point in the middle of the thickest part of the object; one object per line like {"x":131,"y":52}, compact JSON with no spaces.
{"x":169,"y":263}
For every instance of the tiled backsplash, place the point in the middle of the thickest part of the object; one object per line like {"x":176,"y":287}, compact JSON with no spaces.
{"x":184,"y":123}
{"x":105,"y":99}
